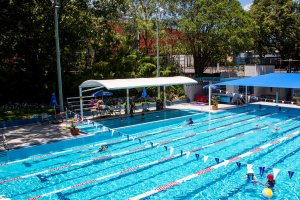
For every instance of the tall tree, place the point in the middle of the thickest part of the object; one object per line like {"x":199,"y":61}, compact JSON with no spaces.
{"x":212,"y":28}
{"x":278,"y":27}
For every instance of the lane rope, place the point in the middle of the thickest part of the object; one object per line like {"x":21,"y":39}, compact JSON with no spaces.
{"x":209,"y":169}
{"x":134,"y":150}
{"x":115,"y":141}
{"x":164,"y":187}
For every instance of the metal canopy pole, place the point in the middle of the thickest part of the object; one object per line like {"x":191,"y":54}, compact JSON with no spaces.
{"x":277,"y":96}
{"x":246,"y":95}
{"x":157,"y":54}
{"x":127,"y":96}
{"x":61,"y":102}
{"x":81,"y":106}
{"x":209,"y":97}
{"x":165,"y":98}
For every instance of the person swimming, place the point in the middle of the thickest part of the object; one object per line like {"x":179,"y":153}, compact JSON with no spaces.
{"x":250,"y":176}
{"x":271,"y":181}
{"x":102,"y":148}
{"x":190,"y":121}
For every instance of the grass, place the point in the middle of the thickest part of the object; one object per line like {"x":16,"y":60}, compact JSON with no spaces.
{"x":23,"y":113}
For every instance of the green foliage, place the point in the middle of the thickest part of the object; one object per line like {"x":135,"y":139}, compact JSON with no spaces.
{"x":23,"y":113}
{"x":212,"y":29}
{"x":277,"y":27}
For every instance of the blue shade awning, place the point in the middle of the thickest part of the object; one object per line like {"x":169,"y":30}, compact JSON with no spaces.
{"x":102,"y":93}
{"x":276,"y":80}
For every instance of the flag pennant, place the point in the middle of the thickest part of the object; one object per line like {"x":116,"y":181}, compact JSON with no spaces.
{"x":151,"y":144}
{"x":261,"y":170}
{"x":140,"y":141}
{"x":112,"y":132}
{"x":205,"y":158}
{"x":181,"y":152}
{"x":197,"y":156}
{"x":133,"y":138}
{"x":226,"y":162}
{"x":119,"y":133}
{"x":275,"y":172}
{"x":127,"y":137}
{"x":171,"y":151}
{"x":249,"y":166}
{"x":96,"y":125}
{"x":188,"y":154}
{"x":145,"y":142}
{"x":158,"y":146}
{"x":217,"y":160}
{"x":291,"y":174}
{"x":166,"y":148}
{"x":238,"y":164}
{"x":88,"y":122}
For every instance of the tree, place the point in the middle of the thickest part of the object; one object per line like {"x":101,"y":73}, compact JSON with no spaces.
{"x":212,"y":28}
{"x":278,"y":27}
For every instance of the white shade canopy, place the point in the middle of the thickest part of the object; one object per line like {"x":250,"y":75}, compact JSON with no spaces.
{"x":115,"y":84}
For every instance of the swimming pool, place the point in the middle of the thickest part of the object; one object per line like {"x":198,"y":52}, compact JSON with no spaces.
{"x":165,"y":160}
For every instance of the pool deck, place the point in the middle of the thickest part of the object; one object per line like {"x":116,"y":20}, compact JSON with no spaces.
{"x":36,"y":134}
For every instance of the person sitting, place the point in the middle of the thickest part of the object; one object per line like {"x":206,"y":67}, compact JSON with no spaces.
{"x":92,"y":103}
{"x":102,"y":148}
{"x":190,"y":122}
{"x":77,"y":118}
{"x":99,"y":104}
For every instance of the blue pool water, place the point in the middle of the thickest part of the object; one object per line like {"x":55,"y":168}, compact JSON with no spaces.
{"x":138,"y":162}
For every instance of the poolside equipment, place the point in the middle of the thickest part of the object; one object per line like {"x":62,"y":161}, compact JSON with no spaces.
{"x":267,"y":192}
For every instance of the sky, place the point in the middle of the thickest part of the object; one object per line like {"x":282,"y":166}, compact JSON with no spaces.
{"x":246,"y":4}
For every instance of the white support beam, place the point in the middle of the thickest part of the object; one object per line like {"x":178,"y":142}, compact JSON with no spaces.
{"x":81,"y":106}
{"x":277,"y":96}
{"x":246,"y":95}
{"x":209,"y":97}
{"x":91,"y":89}
{"x":165,"y":98}
{"x":127,"y":100}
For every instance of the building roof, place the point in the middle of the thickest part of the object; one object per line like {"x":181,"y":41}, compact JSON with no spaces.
{"x":276,"y":80}
{"x":115,"y":84}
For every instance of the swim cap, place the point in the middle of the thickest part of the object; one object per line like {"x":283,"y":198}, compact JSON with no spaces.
{"x":270,"y":177}
{"x":250,"y":171}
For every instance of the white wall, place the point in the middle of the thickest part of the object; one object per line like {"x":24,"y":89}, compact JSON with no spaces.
{"x":254,"y":70}
{"x":192,"y":90}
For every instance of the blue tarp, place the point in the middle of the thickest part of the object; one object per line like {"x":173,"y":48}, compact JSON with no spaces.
{"x":276,"y":80}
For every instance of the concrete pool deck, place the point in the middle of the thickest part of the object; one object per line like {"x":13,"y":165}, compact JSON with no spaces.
{"x":37,"y":134}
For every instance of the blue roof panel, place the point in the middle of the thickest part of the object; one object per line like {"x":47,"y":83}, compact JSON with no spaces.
{"x":276,"y":80}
